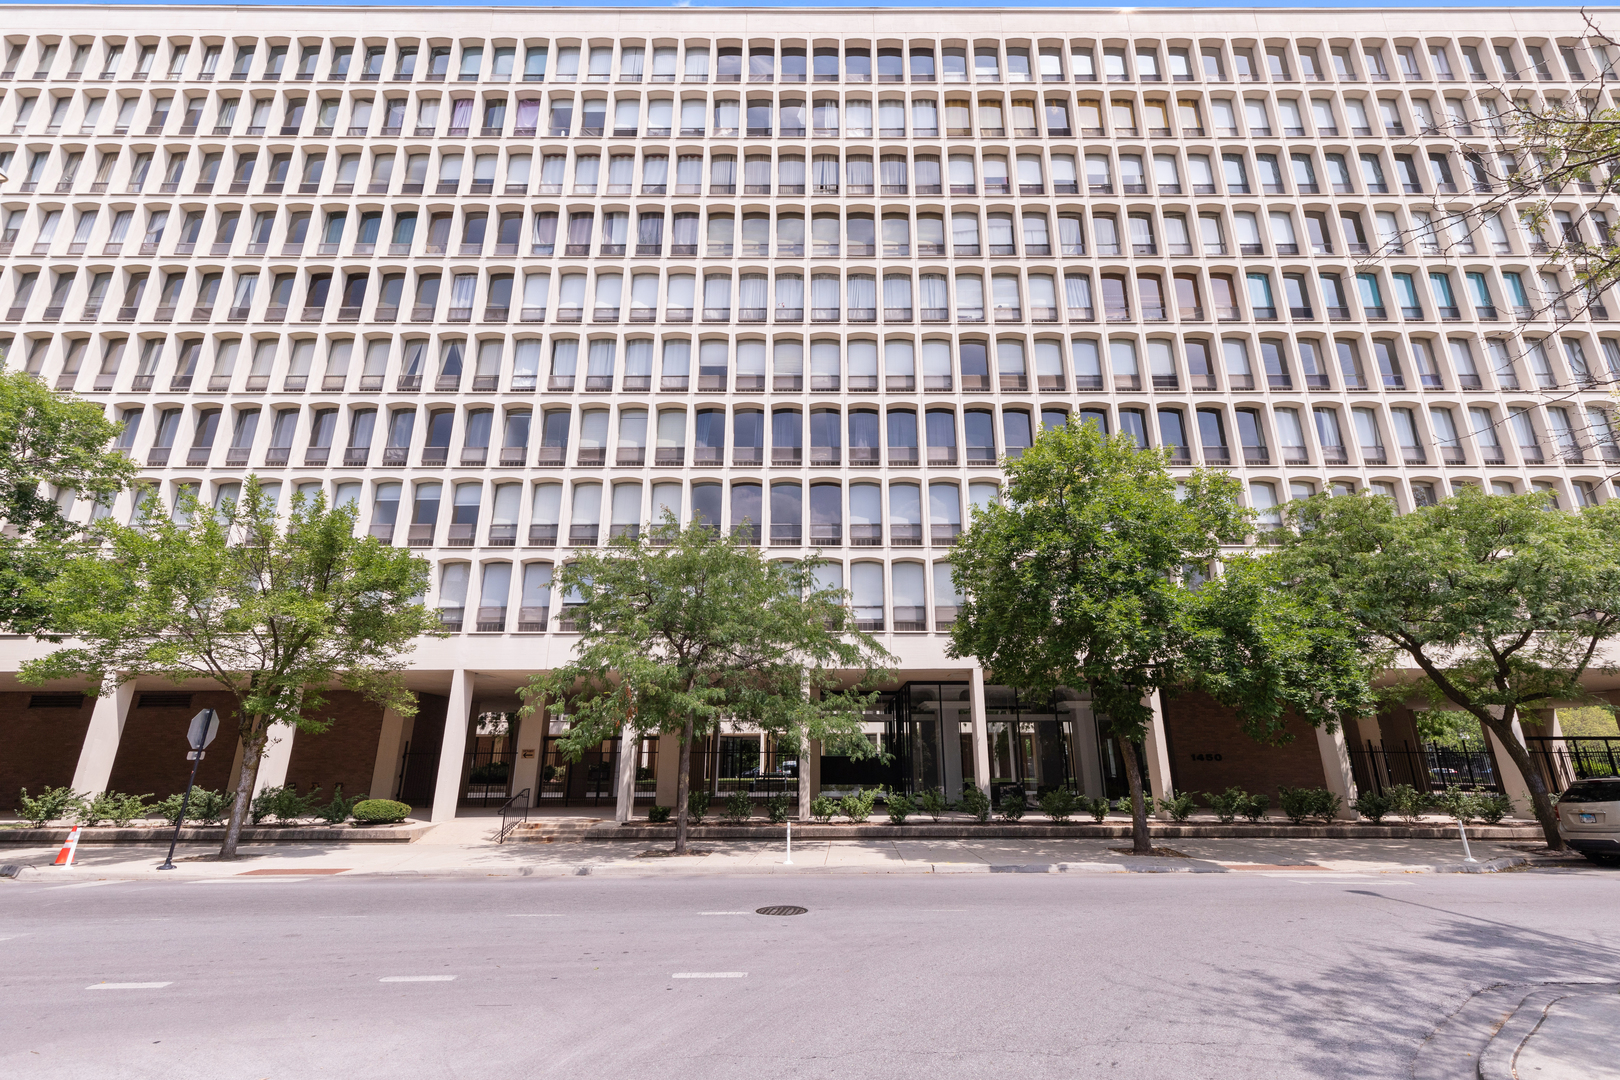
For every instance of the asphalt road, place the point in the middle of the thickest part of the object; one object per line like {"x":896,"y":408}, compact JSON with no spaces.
{"x":1030,"y":976}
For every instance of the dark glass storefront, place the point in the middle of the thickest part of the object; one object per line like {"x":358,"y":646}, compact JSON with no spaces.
{"x":926,"y":729}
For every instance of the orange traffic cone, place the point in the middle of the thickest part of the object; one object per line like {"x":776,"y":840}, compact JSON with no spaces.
{"x":65,"y":856}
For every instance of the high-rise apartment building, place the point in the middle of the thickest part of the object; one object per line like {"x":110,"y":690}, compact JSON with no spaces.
{"x":514,"y":281}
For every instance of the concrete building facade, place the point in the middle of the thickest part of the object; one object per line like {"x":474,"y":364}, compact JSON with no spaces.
{"x":514,"y":281}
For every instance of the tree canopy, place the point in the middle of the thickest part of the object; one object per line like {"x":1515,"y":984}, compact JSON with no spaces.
{"x":1090,"y":573}
{"x":273,"y":609}
{"x":681,"y":629}
{"x":53,"y":450}
{"x":1499,"y":603}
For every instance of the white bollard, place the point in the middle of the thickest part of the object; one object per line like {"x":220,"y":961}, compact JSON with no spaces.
{"x":789,"y":860}
{"x":1468,"y":856}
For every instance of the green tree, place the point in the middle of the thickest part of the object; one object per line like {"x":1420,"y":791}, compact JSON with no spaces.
{"x":1499,"y":603}
{"x":50,"y":444}
{"x":1085,"y":574}
{"x":274,"y":610}
{"x":681,"y":629}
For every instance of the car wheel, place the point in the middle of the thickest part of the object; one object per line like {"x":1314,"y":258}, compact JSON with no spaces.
{"x":1602,"y":858}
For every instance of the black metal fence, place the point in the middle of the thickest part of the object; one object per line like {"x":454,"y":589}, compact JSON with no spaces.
{"x":1565,"y":759}
{"x":1427,"y":767}
{"x":593,"y":779}
{"x":731,"y":763}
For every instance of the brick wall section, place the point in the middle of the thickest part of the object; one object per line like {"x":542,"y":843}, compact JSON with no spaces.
{"x":1197,"y":730}
{"x":152,"y":753}
{"x":342,"y":754}
{"x":39,"y":748}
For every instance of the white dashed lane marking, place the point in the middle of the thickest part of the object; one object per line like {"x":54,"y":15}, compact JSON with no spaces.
{"x":710,"y":975}
{"x":417,"y":978}
{"x":129,"y":986}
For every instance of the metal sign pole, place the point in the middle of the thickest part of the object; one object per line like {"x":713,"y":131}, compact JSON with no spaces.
{"x":204,"y":726}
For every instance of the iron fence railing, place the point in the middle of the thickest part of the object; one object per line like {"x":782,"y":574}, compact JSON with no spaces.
{"x":1565,"y":759}
{"x":1427,"y":767}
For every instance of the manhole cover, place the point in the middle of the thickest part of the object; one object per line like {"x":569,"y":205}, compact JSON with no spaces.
{"x":784,"y":909}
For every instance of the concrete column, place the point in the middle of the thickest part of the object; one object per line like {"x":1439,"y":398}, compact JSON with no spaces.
{"x":386,"y":767}
{"x":629,"y":751}
{"x":277,"y":756}
{"x":804,"y":779}
{"x":1336,"y":769}
{"x":453,"y":750}
{"x":809,"y":778}
{"x":1089,"y":761}
{"x":1157,"y":749}
{"x":529,"y":747}
{"x":100,"y":747}
{"x":981,"y":733}
{"x":669,"y":768}
{"x":1512,"y":780}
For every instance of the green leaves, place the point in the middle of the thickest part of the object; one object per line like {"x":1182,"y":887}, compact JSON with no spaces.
{"x":1076,"y":579}
{"x":1500,"y":602}
{"x":688,"y":625}
{"x":274,"y":609}
{"x":50,"y":444}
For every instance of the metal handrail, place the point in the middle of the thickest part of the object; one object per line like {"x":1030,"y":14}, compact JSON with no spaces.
{"x":507,"y":805}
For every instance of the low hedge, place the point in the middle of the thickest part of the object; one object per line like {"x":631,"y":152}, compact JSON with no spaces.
{"x":380,"y":812}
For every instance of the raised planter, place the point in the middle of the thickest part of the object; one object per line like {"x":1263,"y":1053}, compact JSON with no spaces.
{"x":404,"y":833}
{"x":1000,"y":830}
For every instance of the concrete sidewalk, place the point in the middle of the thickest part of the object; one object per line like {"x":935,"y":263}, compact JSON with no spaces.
{"x":466,"y":847}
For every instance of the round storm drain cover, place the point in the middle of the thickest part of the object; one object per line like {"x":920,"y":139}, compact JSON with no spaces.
{"x":783,"y":909}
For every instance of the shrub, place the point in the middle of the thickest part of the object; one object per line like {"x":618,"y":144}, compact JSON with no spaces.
{"x":900,"y":808}
{"x":739,"y":807}
{"x":1059,"y":804}
{"x":858,"y":804}
{"x":1408,"y":801}
{"x":52,"y":804}
{"x":697,"y":806}
{"x":1124,"y":805}
{"x":204,"y":808}
{"x":1179,"y":806}
{"x":975,"y":802}
{"x":777,"y":807}
{"x":339,"y":809}
{"x":1372,"y":806}
{"x":1255,"y":807}
{"x":932,"y":802}
{"x":658,"y":815}
{"x":284,"y":804}
{"x":1013,"y":802}
{"x":1097,"y":808}
{"x":1460,"y":804}
{"x":1325,"y":805}
{"x":1296,"y":803}
{"x":1493,"y":806}
{"x":380,"y":811}
{"x":1227,"y":805}
{"x":1304,"y":804}
{"x":823,"y":808}
{"x":116,"y":807}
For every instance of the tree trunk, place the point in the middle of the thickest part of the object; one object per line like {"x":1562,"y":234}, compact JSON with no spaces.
{"x":252,"y":755}
{"x":683,"y":788}
{"x":1540,"y":800}
{"x":1141,"y":843}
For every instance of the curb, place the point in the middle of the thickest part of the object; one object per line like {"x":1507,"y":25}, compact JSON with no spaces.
{"x":1127,"y":864}
{"x":542,"y":833}
{"x":404,"y":834}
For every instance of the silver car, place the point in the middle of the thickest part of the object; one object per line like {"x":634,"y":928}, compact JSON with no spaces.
{"x":1589,"y":818}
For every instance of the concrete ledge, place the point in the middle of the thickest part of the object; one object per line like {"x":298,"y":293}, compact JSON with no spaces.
{"x":404,"y":833}
{"x":641,"y":831}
